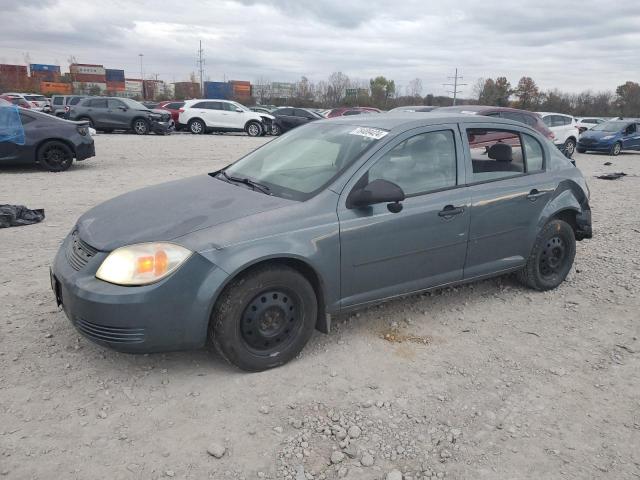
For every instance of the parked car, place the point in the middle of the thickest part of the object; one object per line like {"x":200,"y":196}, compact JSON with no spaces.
{"x":288,"y":118}
{"x":346,"y":111}
{"x":205,"y":115}
{"x":51,"y":142}
{"x":612,"y":137}
{"x":60,"y":104}
{"x":259,"y":109}
{"x":114,"y":113}
{"x":522,"y":116}
{"x":333,"y":216}
{"x":413,"y":108}
{"x":587,"y":122}
{"x":173,"y":106}
{"x":36,"y":101}
{"x":149,"y":104}
{"x":565,"y":130}
{"x":18,"y":101}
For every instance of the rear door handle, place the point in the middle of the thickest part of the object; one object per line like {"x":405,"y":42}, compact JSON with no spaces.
{"x":535,"y":194}
{"x":450,"y":211}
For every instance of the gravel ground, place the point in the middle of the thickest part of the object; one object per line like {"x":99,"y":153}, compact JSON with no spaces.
{"x":485,"y":381}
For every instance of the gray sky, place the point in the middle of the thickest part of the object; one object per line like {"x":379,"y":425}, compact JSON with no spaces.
{"x":573,"y":46}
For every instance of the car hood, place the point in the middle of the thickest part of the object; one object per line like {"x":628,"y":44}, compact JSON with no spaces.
{"x":170,"y":210}
{"x":597,"y":134}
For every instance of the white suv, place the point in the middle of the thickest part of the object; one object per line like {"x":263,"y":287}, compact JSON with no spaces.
{"x":565,"y":128}
{"x":38,"y":102}
{"x":204,"y":115}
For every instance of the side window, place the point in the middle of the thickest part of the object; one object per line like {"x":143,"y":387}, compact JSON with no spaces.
{"x":75,"y":100}
{"x":175,"y":105}
{"x":115,"y":103}
{"x":420,"y":164}
{"x":286,"y":111}
{"x":492,"y":114}
{"x":518,"y":117}
{"x":547,"y":120}
{"x":99,"y":103}
{"x":24,"y":118}
{"x":215,"y":106}
{"x":201,"y":105}
{"x":58,"y":100}
{"x":533,"y":153}
{"x":495,"y":154}
{"x":351,"y":112}
{"x":301,"y":113}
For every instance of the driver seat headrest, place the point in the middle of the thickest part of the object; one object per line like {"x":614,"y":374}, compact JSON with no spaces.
{"x":501,"y":152}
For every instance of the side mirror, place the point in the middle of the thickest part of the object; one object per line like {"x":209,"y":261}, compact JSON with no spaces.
{"x":123,"y":108}
{"x":239,"y":110}
{"x":378,"y":191}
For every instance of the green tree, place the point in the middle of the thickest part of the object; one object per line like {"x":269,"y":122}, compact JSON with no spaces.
{"x":628,"y":99}
{"x":381,"y":91}
{"x":494,"y":92}
{"x":528,"y":93}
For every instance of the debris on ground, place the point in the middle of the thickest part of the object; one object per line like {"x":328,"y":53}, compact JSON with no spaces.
{"x":611,"y":176}
{"x":18,"y":215}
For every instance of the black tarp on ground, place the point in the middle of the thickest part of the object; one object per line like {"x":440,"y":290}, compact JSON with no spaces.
{"x":17,"y":215}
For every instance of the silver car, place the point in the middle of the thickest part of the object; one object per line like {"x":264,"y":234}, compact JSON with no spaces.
{"x":334,"y":216}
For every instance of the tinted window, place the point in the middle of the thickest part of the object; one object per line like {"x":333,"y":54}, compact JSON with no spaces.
{"x":518,"y":117}
{"x":284,"y":111}
{"x":230,"y":107}
{"x":201,"y":105}
{"x":58,"y":100}
{"x":115,"y":103}
{"x":495,"y":154}
{"x":548,"y":120}
{"x":74,"y":100}
{"x":298,"y":112}
{"x":420,"y":164}
{"x":352,"y":112}
{"x":98,"y":103}
{"x":174,"y":105}
{"x":533,"y":153}
{"x":491,"y":114}
{"x":26,"y":118}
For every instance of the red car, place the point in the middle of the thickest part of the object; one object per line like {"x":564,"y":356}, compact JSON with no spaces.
{"x":174,"y":107}
{"x":343,"y":111}
{"x":21,"y":102}
{"x":528,"y":118}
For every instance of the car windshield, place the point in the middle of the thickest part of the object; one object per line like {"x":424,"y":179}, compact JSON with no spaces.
{"x":133,"y":104}
{"x":35,"y":98}
{"x":236,"y":104}
{"x":302,"y":162}
{"x":614,"y":126}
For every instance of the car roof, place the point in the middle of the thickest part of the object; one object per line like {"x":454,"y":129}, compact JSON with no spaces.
{"x":554,"y":113}
{"x":482,"y":108}
{"x":407,"y":120}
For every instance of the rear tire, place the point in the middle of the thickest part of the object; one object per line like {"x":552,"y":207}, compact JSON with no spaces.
{"x":264,"y":318}
{"x":197,"y":127}
{"x":86,"y":119}
{"x":615,"y":149}
{"x":551,"y":257}
{"x":254,"y":129}
{"x":55,"y":156}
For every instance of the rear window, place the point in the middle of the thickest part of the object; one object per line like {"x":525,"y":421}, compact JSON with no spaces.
{"x":495,"y":154}
{"x":36,"y":98}
{"x":58,"y":100}
{"x":74,"y":100}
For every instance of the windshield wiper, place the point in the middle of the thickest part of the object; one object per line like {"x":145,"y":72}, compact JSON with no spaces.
{"x":255,"y":185}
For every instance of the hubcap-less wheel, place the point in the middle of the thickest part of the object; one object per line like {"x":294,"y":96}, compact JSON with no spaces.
{"x":140,"y":127}
{"x":617,"y":148}
{"x":254,"y":130}
{"x":55,"y":157}
{"x":553,"y":257}
{"x":196,"y":127}
{"x":270,"y":321}
{"x":276,"y":129}
{"x":569,"y":148}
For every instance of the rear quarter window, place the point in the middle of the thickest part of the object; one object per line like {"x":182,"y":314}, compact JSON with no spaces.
{"x":534,"y":154}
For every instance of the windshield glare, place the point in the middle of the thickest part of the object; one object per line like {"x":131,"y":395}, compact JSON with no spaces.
{"x":610,"y":126}
{"x":302,"y":162}
{"x":133,"y":104}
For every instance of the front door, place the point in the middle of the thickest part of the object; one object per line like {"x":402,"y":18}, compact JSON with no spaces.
{"x":631,"y":137}
{"x":117,"y":115}
{"x":384,"y":254}
{"x":509,"y":190}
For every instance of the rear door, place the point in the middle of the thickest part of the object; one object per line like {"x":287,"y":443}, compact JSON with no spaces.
{"x":509,"y":189}
{"x":98,"y":111}
{"x":384,"y":254}
{"x":285,"y":118}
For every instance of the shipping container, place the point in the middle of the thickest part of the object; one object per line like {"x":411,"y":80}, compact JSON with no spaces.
{"x":85,"y":68}
{"x":57,"y":88}
{"x":15,"y":69}
{"x":133,"y":85}
{"x":116,"y":86}
{"x":240,"y":82}
{"x":187,"y":90}
{"x":89,"y":88}
{"x":222,"y":90}
{"x":45,"y":75}
{"x":88,"y":77}
{"x":114,"y":75}
{"x":41,"y":67}
{"x":14,"y":78}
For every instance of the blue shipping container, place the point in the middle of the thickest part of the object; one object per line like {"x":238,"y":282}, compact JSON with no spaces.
{"x":221,"y":90}
{"x":114,"y":75}
{"x":40,"y":67}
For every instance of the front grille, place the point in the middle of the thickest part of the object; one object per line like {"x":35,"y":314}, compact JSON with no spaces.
{"x":78,"y":252}
{"x":588,"y":141}
{"x":101,"y":333}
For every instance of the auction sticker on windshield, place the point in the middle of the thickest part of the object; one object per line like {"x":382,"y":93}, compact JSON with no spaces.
{"x":375,"y":133}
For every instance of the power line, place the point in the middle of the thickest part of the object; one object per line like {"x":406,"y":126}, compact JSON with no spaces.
{"x":201,"y":62}
{"x":455,"y":85}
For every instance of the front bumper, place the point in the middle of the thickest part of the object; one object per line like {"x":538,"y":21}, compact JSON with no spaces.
{"x":584,"y":228}
{"x":598,"y":145}
{"x":170,"y":315}
{"x":161,"y":127}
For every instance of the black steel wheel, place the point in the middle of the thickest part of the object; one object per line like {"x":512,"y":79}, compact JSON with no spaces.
{"x":264,"y":317}
{"x":551,"y":258}
{"x":55,"y":156}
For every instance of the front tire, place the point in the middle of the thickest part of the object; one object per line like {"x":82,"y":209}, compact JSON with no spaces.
{"x":569,"y":147}
{"x":55,"y":156}
{"x":551,"y":258}
{"x":254,"y":129}
{"x":264,"y":318}
{"x":197,"y":127}
{"x":616,"y":149}
{"x":276,"y":130}
{"x":140,"y":126}
{"x":581,"y":150}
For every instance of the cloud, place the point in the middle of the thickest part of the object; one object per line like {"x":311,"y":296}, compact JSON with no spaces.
{"x":557,"y":44}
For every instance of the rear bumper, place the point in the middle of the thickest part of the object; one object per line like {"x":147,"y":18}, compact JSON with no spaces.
{"x":85,"y":150}
{"x":583,"y":221}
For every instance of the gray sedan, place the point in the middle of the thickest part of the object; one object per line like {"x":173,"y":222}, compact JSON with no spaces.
{"x":333,"y":216}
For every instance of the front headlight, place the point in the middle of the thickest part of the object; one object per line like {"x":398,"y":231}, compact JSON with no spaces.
{"x":142,"y":264}
{"x":608,"y":137}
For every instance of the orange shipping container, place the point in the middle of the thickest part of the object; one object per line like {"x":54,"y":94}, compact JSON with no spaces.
{"x":88,"y":78}
{"x":116,"y":86}
{"x":55,"y":87}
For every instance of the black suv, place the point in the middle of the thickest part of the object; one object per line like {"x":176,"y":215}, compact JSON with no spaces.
{"x":113,"y":113}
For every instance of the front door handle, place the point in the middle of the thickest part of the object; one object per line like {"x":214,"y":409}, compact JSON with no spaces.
{"x":450,"y":211}
{"x":535,"y":194}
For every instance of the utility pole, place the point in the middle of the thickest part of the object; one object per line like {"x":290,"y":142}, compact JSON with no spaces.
{"x":201,"y":68}
{"x":455,"y":85}
{"x":141,"y":74}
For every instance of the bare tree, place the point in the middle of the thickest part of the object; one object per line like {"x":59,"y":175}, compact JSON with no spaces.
{"x":415,"y":88}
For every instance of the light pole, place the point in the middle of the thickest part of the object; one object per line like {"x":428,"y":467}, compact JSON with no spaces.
{"x":142,"y":75}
